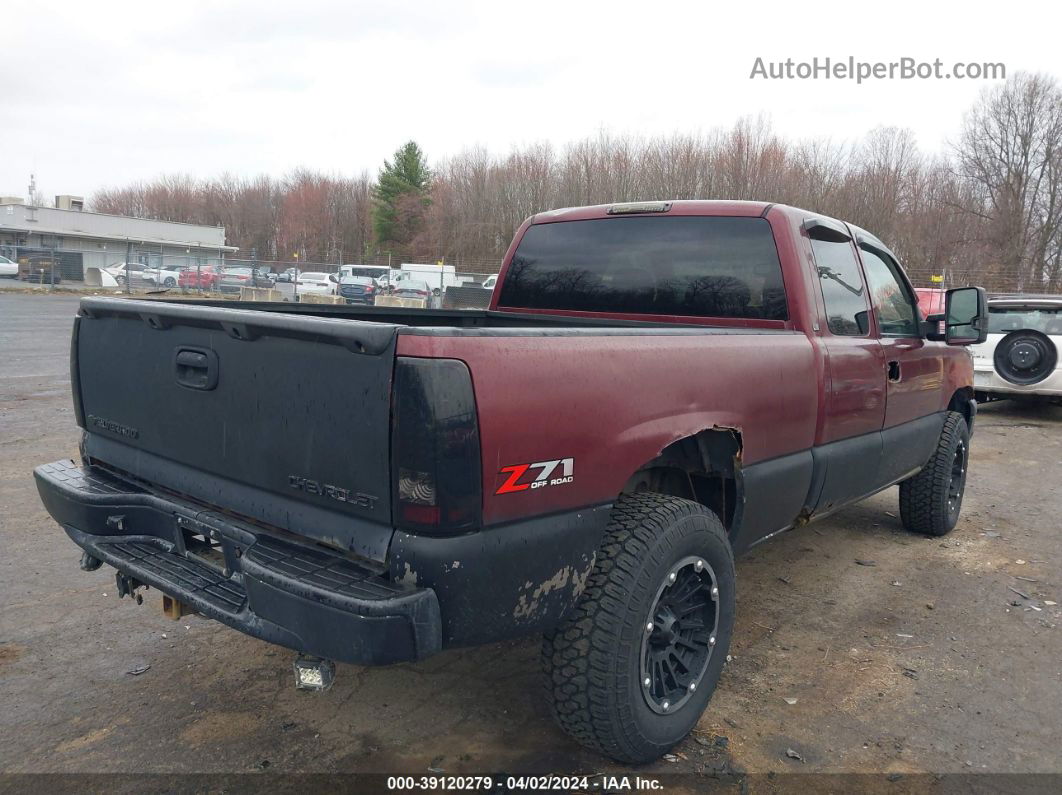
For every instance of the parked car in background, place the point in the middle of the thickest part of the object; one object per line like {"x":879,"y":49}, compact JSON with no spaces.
{"x":141,"y":275}
{"x":286,"y":276}
{"x":235,"y":278}
{"x":201,"y":277}
{"x":232,"y":279}
{"x":161,"y":275}
{"x":412,"y":288}
{"x":315,"y":283}
{"x":117,"y":269}
{"x":1020,"y":356}
{"x":120,"y":270}
{"x":489,"y":282}
{"x":359,"y":289}
{"x":377,"y":272}
{"x":930,"y":300}
{"x":8,"y":268}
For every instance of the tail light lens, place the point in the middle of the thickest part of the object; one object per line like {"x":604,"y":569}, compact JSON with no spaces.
{"x":436,"y":467}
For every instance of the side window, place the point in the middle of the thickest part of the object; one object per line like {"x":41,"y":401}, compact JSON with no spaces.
{"x":897,"y":315}
{"x":842,"y":287}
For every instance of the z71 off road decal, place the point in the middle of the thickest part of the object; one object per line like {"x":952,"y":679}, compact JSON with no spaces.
{"x":521,"y":477}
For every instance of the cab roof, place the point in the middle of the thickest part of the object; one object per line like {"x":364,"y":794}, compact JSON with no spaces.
{"x":747,"y":209}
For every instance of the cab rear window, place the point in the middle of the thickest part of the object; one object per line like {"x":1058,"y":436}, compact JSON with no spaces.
{"x":683,"y":265}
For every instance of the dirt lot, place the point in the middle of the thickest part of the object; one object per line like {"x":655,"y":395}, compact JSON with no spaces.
{"x":942,"y":656}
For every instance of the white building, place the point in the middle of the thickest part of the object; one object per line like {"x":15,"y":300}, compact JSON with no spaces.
{"x":80,"y":240}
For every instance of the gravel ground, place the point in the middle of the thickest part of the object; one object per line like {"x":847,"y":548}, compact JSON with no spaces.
{"x":945,"y":656}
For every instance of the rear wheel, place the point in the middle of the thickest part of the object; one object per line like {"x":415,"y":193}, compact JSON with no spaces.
{"x":931,"y":500}
{"x":169,"y":281}
{"x":631,"y":670}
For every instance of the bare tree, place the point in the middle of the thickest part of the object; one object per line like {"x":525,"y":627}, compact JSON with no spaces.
{"x":1010,"y":153}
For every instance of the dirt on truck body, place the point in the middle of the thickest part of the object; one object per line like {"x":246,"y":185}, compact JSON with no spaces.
{"x":654,"y":388}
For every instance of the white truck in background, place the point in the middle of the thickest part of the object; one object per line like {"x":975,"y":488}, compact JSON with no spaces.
{"x":380,"y":273}
{"x":438,"y":277}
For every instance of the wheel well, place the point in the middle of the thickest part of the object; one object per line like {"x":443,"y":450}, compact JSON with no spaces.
{"x":960,"y":402}
{"x":703,"y":467}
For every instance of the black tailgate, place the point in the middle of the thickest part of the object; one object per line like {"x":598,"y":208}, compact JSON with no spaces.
{"x":283,"y":418}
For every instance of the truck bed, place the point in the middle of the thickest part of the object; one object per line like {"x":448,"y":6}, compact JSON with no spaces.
{"x":281,"y":412}
{"x":441,"y":318}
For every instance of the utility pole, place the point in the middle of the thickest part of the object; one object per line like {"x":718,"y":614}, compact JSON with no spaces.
{"x":295,"y":283}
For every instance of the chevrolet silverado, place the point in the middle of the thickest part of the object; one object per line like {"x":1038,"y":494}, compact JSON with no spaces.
{"x":654,"y":388}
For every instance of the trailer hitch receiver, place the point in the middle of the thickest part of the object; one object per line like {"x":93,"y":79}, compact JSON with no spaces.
{"x":128,"y":586}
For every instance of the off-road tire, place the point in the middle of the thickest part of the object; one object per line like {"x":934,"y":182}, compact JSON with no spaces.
{"x":593,"y":660}
{"x":928,"y":503}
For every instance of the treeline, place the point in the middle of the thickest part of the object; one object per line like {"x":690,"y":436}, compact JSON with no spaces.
{"x":320,"y":218}
{"x":987,"y":210}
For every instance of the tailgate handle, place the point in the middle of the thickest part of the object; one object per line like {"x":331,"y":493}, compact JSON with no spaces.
{"x":196,"y":368}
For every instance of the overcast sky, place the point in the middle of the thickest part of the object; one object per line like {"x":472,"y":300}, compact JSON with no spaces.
{"x":98,"y":94}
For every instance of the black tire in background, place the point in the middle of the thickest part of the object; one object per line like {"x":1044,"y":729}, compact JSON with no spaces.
{"x":931,"y":500}
{"x":1025,"y":357}
{"x":605,"y":681}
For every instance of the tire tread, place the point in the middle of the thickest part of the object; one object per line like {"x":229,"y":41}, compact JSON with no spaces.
{"x":924,"y":496}
{"x":583,"y":682}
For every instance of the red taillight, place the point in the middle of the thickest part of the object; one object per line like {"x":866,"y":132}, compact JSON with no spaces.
{"x":435,"y":448}
{"x":421,"y":514}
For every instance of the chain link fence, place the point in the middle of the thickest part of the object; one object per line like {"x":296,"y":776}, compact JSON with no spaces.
{"x":995,"y":279}
{"x":220,"y":276}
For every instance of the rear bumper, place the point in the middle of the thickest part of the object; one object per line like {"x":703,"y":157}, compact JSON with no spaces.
{"x":986,"y":379}
{"x":267,"y":585}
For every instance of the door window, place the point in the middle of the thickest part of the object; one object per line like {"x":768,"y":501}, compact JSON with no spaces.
{"x":897,"y":315}
{"x":842,"y":287}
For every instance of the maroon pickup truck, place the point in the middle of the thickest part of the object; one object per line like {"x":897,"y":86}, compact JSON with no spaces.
{"x":654,"y":388}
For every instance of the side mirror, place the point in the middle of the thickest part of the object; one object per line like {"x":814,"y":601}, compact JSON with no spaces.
{"x":965,"y":317}
{"x":862,"y":320}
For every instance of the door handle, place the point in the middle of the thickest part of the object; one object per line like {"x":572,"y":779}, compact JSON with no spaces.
{"x":894,"y":371}
{"x":196,"y":368}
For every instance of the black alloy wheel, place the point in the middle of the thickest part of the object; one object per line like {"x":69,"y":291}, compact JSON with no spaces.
{"x":680,"y":635}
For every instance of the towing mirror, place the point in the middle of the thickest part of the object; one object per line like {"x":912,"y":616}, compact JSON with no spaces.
{"x":965,"y":317}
